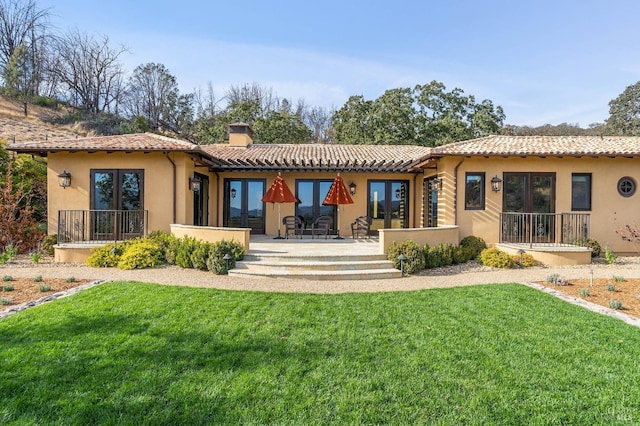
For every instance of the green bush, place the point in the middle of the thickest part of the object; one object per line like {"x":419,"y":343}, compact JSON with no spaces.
{"x":44,"y":288}
{"x":584,"y":292}
{"x":107,"y":256}
{"x":47,"y":243}
{"x":185,"y":248}
{"x":609,"y":256}
{"x":445,"y":255}
{"x":590,"y":243}
{"x":35,"y":257}
{"x":141,"y":254}
{"x":216,"y":262}
{"x":5,"y":300}
{"x":7,"y":278}
{"x":200,"y":254}
{"x":7,"y":287}
{"x":8,"y":254}
{"x":495,"y":258}
{"x":411,"y":250}
{"x":474,"y":244}
{"x":615,"y":304}
{"x":163,"y":240}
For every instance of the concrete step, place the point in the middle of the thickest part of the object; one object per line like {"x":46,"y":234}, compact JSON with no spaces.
{"x":284,"y":265}
{"x":361,"y":274}
{"x":286,"y":257}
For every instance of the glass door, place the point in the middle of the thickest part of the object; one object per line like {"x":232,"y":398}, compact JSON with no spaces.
{"x":532,"y":195}
{"x":243,"y":205}
{"x":116,"y":204}
{"x":388,"y":204}
{"x":311,"y":193}
{"x":201,"y":201}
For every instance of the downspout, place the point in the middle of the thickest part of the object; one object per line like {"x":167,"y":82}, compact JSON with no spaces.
{"x":455,"y":192}
{"x":217,"y":198}
{"x":415,"y":197}
{"x":173,"y":163}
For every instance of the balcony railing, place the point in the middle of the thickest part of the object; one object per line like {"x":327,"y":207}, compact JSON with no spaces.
{"x":544,"y":228}
{"x":85,"y":226}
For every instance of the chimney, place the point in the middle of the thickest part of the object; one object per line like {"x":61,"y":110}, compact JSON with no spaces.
{"x":240,"y":134}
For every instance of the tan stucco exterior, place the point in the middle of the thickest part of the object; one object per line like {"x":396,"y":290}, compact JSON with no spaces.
{"x":609,"y":208}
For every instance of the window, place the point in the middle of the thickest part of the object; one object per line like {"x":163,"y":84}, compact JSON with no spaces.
{"x":581,"y":191}
{"x":626,"y":186}
{"x":474,"y":191}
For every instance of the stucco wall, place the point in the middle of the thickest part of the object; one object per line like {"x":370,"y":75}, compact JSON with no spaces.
{"x":422,"y":236}
{"x":609,"y":208}
{"x":158,"y":184}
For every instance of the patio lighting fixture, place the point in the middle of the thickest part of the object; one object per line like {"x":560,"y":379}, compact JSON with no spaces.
{"x":401,"y":258}
{"x":521,"y":252}
{"x":227,"y":257}
{"x":352,"y":188}
{"x":436,"y":184}
{"x":194,"y":183}
{"x":233,"y":193}
{"x":64,"y":179}
{"x":496,"y":184}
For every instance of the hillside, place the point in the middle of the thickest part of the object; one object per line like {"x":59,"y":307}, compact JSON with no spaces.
{"x":15,"y":126}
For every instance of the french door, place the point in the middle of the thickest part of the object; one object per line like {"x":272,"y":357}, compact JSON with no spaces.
{"x":388,"y":203}
{"x":201,"y":201}
{"x":243,"y":206}
{"x":529,"y":200}
{"x":117,"y":204}
{"x":311,"y":193}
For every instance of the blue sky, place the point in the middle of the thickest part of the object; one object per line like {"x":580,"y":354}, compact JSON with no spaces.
{"x":543,"y":61}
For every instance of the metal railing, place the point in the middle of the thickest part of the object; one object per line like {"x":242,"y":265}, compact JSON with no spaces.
{"x":544,"y":228}
{"x":87,"y":226}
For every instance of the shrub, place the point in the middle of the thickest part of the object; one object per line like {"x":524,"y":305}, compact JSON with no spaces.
{"x":462,"y":254}
{"x":7,"y":278}
{"x":475,"y":245}
{"x":610,"y":287}
{"x":107,"y":256}
{"x":44,"y":288}
{"x":525,"y":260}
{"x":590,"y":243}
{"x":9,"y":253}
{"x":615,"y":304}
{"x":163,"y":240}
{"x":47,"y":243}
{"x":609,"y":256}
{"x":200,"y":255}
{"x":141,"y":254}
{"x":216,"y":262}
{"x":5,"y":300}
{"x":495,"y":258}
{"x":7,"y":287}
{"x":618,"y":279}
{"x":185,"y":248}
{"x":584,"y":292}
{"x":70,"y":279}
{"x":556,"y":279}
{"x":38,"y":279}
{"x":412,"y":251}
{"x":35,"y":257}
{"x":445,"y":255}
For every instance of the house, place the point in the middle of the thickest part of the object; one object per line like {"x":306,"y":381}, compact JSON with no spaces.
{"x":514,"y":191}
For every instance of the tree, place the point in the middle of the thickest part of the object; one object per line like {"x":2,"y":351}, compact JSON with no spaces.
{"x":280,"y":127}
{"x":425,"y":115}
{"x":318,"y":119}
{"x":19,"y":77}
{"x":89,"y":71}
{"x":624,"y":112}
{"x":148,"y":92}
{"x":22,"y":23}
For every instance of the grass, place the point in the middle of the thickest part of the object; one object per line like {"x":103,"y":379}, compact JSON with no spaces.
{"x":132,"y":353}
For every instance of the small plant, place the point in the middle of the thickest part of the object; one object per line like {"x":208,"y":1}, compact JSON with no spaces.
{"x":610,"y":287}
{"x":609,"y":256}
{"x":47,"y":244}
{"x":495,"y":258}
{"x":618,"y":279}
{"x":590,"y":243}
{"x":8,"y":254}
{"x":525,"y":260}
{"x":7,"y":278}
{"x":5,"y":300}
{"x":584,"y":292}
{"x":70,"y":279}
{"x":8,"y":287}
{"x":615,"y":304}
{"x":556,"y":279}
{"x":474,"y":244}
{"x":38,"y":279}
{"x":35,"y":257}
{"x":44,"y":288}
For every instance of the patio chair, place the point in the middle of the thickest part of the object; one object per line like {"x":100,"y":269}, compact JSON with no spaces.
{"x":292,"y":225}
{"x":321,"y":226}
{"x":360,"y":228}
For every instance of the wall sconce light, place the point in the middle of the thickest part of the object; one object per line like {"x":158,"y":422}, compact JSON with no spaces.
{"x":233,"y":193}
{"x":436,"y":184}
{"x":64,"y":179}
{"x":352,"y":188}
{"x":194,"y":183}
{"x":398,"y":193}
{"x":496,"y":184}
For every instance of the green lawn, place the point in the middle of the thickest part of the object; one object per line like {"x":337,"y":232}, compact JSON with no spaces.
{"x":131,"y":353}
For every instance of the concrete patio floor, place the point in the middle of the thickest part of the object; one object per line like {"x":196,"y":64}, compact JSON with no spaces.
{"x":265,"y":245}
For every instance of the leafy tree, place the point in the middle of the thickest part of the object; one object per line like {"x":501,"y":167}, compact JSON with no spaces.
{"x":624,"y":112}
{"x":280,"y":127}
{"x":149,"y":90}
{"x":425,"y":115}
{"x":19,"y":77}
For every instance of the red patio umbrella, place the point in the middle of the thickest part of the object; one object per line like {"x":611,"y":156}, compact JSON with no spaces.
{"x":338,"y":194}
{"x":279,"y":193}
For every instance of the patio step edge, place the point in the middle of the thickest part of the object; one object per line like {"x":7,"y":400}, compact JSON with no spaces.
{"x":362,"y":274}
{"x":286,"y":266}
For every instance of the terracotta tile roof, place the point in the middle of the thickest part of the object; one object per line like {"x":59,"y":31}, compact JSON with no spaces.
{"x":316,"y":157}
{"x":134,"y":142}
{"x":544,"y":146}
